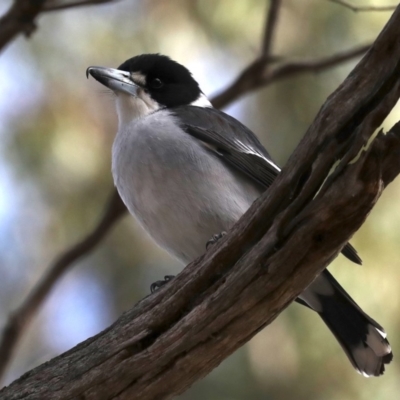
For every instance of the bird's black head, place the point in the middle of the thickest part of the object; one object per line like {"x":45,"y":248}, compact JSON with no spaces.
{"x":166,"y":81}
{"x":149,"y":82}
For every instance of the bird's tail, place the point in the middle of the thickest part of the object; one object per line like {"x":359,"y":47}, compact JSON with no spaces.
{"x":362,"y":338}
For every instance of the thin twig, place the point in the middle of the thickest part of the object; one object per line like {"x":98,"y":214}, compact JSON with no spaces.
{"x":270,"y":27}
{"x":63,"y":6}
{"x":363,"y":8}
{"x":257,"y":75}
{"x":20,"y":319}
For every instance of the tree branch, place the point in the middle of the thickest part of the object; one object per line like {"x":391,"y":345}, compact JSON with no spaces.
{"x":19,"y":320}
{"x":217,"y":303}
{"x":363,"y":8}
{"x":22,"y":15}
{"x":271,"y":23}
{"x":53,"y":5}
{"x":258,"y":75}
{"x":20,"y":18}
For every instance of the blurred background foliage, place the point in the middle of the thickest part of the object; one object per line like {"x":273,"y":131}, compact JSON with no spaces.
{"x":56,"y":133}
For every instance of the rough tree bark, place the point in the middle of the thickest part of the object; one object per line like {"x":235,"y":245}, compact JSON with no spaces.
{"x":177,"y":335}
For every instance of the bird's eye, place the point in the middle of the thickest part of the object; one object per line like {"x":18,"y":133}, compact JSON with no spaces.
{"x":156,"y":83}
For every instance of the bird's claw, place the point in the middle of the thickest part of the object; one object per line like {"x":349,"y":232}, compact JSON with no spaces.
{"x":156,"y":285}
{"x":214,"y":239}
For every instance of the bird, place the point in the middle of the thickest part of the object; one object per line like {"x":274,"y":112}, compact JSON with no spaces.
{"x":188,"y":171}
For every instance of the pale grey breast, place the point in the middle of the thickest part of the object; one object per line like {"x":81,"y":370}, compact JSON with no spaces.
{"x":178,"y":189}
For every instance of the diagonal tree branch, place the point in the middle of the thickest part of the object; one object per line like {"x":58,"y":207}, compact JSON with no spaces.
{"x":217,"y":303}
{"x":21,"y":318}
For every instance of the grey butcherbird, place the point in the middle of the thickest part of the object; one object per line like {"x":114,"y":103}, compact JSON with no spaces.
{"x":187,"y":171}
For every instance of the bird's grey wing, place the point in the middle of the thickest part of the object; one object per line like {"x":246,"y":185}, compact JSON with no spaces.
{"x":230,"y":140}
{"x":238,"y":145}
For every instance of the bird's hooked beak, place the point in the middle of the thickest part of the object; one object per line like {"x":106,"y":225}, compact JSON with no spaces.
{"x":114,"y":79}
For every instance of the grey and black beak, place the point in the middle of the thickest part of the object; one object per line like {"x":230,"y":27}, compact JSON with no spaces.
{"x":114,"y":79}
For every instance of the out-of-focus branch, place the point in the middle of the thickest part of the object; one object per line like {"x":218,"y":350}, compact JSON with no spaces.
{"x":20,"y":18}
{"x":260,"y":73}
{"x":22,"y":15}
{"x":271,"y":22}
{"x":20,"y":319}
{"x":363,"y":8}
{"x":57,"y":5}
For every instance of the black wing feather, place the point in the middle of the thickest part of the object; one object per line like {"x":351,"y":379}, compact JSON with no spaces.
{"x":230,"y":140}
{"x":238,"y":145}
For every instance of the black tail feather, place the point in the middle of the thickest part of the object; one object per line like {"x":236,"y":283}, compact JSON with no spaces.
{"x":362,"y":338}
{"x":351,"y":253}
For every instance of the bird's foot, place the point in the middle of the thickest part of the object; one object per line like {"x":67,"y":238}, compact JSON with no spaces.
{"x":214,"y":239}
{"x":156,"y":285}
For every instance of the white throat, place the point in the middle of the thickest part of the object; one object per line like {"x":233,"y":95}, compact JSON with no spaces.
{"x":130,"y":108}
